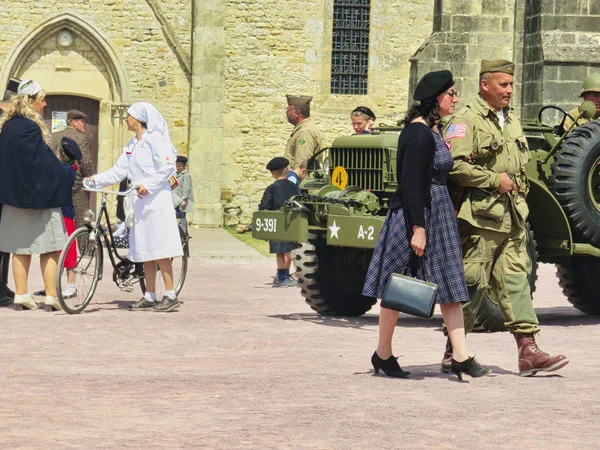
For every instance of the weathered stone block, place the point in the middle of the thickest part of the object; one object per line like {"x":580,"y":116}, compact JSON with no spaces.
{"x":556,"y":92}
{"x":464,"y":7}
{"x":551,"y":73}
{"x":447,"y":53}
{"x":575,"y":73}
{"x":494,"y":7}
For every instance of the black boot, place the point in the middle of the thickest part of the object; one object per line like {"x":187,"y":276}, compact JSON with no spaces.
{"x":389,"y":366}
{"x":471,"y":367}
{"x":6,"y":295}
{"x":446,"y":365}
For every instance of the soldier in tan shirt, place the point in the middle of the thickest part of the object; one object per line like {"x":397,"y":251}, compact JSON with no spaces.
{"x":589,"y":92}
{"x":493,"y":214}
{"x":305,"y":140}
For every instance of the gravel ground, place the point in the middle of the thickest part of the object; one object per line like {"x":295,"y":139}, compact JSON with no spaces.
{"x":245,"y":366}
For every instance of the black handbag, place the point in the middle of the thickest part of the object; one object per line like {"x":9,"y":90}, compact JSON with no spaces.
{"x":410,"y":295}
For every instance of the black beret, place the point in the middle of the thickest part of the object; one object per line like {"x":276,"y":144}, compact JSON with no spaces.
{"x":182,"y":159}
{"x":433,"y":84}
{"x":366,"y":111}
{"x":71,"y":149}
{"x":13,"y":85}
{"x":278,"y":163}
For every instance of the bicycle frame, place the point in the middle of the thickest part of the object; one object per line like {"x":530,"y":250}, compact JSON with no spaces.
{"x":102,"y":232}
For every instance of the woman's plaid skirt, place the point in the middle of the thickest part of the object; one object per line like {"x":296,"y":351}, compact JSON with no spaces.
{"x":443,"y":254}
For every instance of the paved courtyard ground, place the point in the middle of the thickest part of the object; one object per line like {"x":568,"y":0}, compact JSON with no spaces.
{"x":245,"y":366}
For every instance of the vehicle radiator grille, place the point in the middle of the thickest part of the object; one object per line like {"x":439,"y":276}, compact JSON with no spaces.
{"x":365,"y":166}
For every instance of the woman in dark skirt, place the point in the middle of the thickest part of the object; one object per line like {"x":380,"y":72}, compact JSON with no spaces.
{"x":421,"y":220}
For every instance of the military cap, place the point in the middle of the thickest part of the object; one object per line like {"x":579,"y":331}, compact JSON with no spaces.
{"x":591,"y":84}
{"x":71,"y":149}
{"x":498,"y":65}
{"x":73,"y":114}
{"x":182,"y":159}
{"x":433,"y":84}
{"x":366,"y":111}
{"x":298,"y":100}
{"x":278,"y":163}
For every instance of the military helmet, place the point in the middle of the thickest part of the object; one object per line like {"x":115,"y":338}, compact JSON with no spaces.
{"x":591,"y":84}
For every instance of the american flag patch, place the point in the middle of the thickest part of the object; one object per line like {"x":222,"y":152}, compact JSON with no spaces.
{"x":456,"y":131}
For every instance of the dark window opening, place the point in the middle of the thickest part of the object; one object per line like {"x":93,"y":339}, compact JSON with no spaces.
{"x":350,"y":56}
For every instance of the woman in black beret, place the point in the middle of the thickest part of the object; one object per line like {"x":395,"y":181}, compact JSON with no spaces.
{"x":421,"y":222}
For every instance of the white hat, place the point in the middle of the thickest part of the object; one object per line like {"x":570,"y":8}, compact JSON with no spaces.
{"x":29,"y":87}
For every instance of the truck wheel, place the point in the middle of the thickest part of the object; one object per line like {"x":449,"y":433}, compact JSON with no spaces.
{"x":576,"y":180}
{"x":489,"y":317}
{"x":579,"y":278}
{"x":332,"y":278}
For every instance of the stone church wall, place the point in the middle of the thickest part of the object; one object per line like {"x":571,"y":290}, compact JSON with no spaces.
{"x":219,"y":70}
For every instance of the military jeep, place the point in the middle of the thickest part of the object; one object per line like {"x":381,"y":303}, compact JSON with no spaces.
{"x":341,"y":211}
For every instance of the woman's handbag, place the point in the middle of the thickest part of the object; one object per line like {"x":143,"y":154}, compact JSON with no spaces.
{"x":410,"y":295}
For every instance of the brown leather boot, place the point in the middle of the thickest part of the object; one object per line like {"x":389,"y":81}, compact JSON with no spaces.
{"x":533,"y":360}
{"x":446,"y":366}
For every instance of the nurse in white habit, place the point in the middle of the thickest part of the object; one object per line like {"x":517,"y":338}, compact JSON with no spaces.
{"x":148,"y":160}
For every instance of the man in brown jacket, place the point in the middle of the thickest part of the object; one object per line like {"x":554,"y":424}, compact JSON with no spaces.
{"x":75,"y":130}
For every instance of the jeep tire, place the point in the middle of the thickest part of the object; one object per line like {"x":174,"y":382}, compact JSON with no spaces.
{"x":576,"y":180}
{"x":579,"y":278}
{"x":332,"y":278}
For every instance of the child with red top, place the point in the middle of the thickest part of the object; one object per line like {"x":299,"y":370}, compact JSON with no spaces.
{"x":69,"y":155}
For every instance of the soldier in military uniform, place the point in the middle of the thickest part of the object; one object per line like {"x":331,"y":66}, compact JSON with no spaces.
{"x":589,"y":92}
{"x":306,"y":140}
{"x":493,"y":213}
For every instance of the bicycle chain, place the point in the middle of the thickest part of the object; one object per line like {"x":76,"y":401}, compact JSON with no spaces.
{"x":308,"y":198}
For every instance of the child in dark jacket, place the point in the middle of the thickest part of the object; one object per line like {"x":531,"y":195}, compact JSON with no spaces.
{"x":274,"y":197}
{"x":69,"y":155}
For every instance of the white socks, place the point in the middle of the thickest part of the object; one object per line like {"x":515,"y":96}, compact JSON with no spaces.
{"x":150,"y":296}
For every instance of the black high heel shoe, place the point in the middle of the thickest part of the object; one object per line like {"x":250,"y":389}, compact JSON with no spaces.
{"x":471,"y":367}
{"x":389,"y":366}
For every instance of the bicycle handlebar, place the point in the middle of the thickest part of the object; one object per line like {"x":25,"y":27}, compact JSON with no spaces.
{"x":131,"y":191}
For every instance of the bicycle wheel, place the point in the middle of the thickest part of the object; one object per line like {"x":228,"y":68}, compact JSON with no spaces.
{"x":75,"y":287}
{"x":180,"y":265}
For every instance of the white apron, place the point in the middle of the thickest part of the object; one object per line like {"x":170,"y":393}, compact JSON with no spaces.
{"x":149,"y":162}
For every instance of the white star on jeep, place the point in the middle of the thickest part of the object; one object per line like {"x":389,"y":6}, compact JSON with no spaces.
{"x":334,"y":231}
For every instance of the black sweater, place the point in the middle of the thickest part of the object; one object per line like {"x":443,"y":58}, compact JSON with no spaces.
{"x":414,"y":169}
{"x":276,"y":195}
{"x":31,"y":176}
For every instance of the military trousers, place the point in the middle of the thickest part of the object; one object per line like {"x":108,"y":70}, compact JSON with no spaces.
{"x":497,"y":264}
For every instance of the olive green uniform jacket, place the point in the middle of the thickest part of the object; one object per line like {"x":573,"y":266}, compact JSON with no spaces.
{"x":475,"y":129}
{"x":305,"y":141}
{"x":575,"y":112}
{"x":493,"y":225}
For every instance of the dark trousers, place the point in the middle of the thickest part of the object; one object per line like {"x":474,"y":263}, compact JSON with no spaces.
{"x":5,"y":293}
{"x":182,"y":216}
{"x":4,"y":262}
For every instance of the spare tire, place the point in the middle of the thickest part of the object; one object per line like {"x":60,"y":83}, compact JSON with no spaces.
{"x":576,"y":180}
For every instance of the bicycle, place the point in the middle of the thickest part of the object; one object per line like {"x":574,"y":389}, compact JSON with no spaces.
{"x":88,"y":270}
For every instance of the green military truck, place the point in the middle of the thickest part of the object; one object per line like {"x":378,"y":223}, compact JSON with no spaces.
{"x":340,"y":213}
